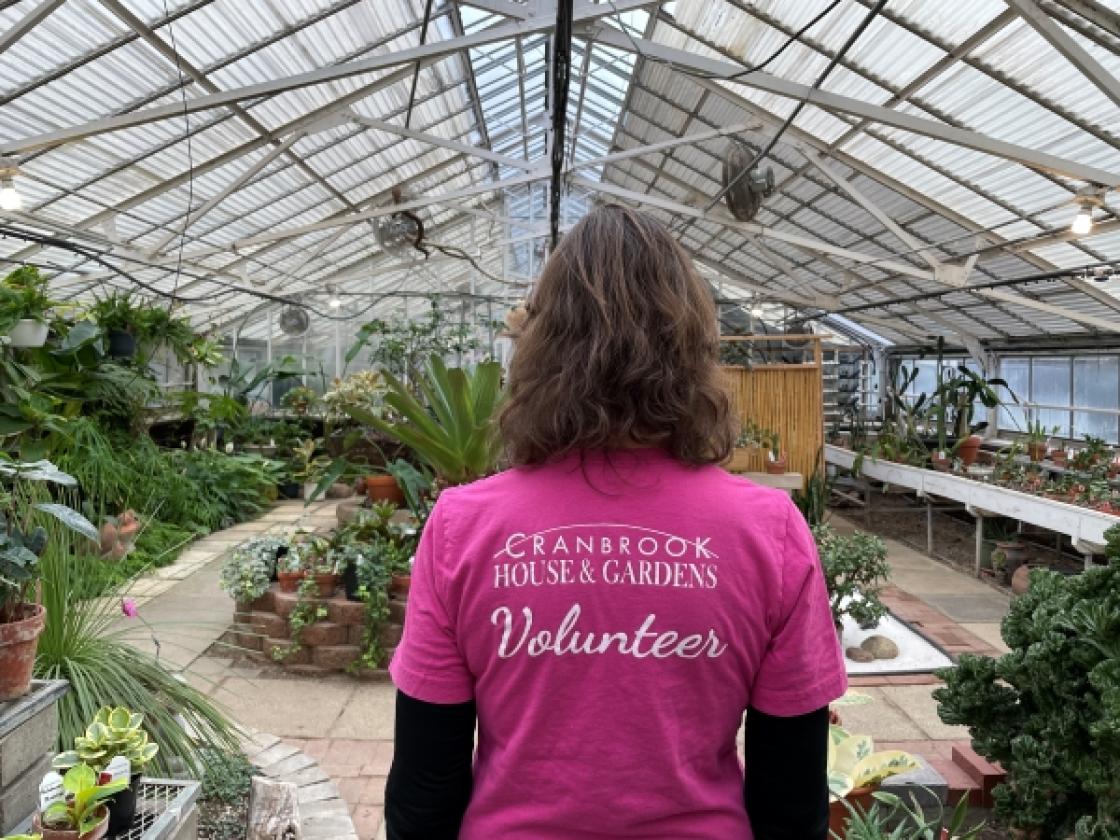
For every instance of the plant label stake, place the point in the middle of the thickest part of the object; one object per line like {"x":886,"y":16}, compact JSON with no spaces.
{"x":118,"y":769}
{"x":51,"y":791}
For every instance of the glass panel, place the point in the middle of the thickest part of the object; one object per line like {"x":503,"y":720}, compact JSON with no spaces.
{"x":1017,"y":374}
{"x":1096,"y":384}
{"x":1051,"y":387}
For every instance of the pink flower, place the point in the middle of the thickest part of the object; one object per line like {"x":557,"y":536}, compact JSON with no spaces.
{"x":128,"y":607}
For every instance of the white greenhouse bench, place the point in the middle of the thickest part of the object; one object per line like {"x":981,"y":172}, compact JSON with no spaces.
{"x":1084,"y":526}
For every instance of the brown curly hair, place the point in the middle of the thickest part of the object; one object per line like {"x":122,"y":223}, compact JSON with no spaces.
{"x":620,"y":348}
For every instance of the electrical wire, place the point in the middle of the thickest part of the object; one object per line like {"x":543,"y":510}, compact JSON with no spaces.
{"x":190,"y":151}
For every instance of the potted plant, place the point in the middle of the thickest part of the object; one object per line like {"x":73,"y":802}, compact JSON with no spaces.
{"x":121,"y":320}
{"x":889,"y":818}
{"x":776,"y":458}
{"x":855,"y":568}
{"x":1038,"y":440}
{"x":957,"y":396}
{"x":1059,"y":457}
{"x":855,"y":772}
{"x":21,"y":545}
{"x":248,"y":570}
{"x":455,"y":433}
{"x":399,"y":560}
{"x":23,"y":307}
{"x":291,"y":571}
{"x":299,"y":399}
{"x":113,"y":734}
{"x":83,"y":815}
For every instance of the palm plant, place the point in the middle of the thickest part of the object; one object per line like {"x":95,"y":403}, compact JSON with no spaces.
{"x":455,"y":432}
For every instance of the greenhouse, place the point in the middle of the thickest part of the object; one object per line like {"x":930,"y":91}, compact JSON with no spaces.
{"x":542,"y":419}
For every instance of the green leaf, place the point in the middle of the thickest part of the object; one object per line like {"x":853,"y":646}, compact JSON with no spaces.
{"x":70,"y":518}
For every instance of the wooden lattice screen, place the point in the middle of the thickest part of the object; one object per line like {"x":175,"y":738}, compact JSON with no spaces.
{"x":787,"y":398}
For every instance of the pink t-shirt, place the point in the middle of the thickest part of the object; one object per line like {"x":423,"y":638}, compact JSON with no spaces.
{"x":612,"y":621}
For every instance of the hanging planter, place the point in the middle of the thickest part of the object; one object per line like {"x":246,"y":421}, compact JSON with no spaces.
{"x":28,"y":333}
{"x":122,"y":344}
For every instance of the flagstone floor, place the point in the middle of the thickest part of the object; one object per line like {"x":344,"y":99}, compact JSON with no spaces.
{"x":346,"y":725}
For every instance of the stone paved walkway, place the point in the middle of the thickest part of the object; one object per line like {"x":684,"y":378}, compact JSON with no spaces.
{"x":346,"y":725}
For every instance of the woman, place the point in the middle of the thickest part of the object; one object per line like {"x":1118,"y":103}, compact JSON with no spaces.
{"x":610,"y":608}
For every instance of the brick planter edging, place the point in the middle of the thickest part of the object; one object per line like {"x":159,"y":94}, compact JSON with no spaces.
{"x":323,"y":815}
{"x":326,"y":646}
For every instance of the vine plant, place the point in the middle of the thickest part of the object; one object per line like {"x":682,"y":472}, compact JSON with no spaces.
{"x":308,"y":611}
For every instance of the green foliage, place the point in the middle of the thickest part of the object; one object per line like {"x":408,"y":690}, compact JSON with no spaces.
{"x":1049,"y":711}
{"x":86,"y":643}
{"x":308,"y":611}
{"x":247,"y":571}
{"x":228,"y":776}
{"x":958,"y":394}
{"x":401,"y":345}
{"x":889,"y":818}
{"x":23,"y":294}
{"x":82,"y":809}
{"x":855,"y":568}
{"x":455,"y":432}
{"x":113,"y":732}
{"x":813,"y":500}
{"x":299,"y":399}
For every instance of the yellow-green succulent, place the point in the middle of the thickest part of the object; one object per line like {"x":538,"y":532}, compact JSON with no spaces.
{"x":113,"y":732}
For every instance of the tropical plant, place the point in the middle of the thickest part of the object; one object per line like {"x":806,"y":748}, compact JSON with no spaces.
{"x":118,"y":311}
{"x":23,"y":295}
{"x":364,"y":389}
{"x":1037,"y":433}
{"x":813,"y":500}
{"x":402,"y":345}
{"x":1049,"y":710}
{"x":299,"y":399}
{"x":83,"y":810}
{"x":853,"y":762}
{"x":86,"y":643}
{"x":855,"y":568}
{"x":958,"y":394}
{"x":889,"y":818}
{"x":456,"y":433}
{"x":113,"y":732}
{"x":22,"y":541}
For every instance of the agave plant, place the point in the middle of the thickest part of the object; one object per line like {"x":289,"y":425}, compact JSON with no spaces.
{"x":455,"y":433}
{"x":113,"y":732}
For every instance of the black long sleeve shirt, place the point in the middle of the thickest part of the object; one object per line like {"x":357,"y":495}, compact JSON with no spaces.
{"x":785,"y":789}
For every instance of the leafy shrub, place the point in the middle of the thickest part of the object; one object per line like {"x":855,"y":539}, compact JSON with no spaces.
{"x":855,"y":568}
{"x":1049,"y":711}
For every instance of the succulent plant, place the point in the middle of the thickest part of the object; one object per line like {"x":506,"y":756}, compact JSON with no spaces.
{"x":113,"y":732}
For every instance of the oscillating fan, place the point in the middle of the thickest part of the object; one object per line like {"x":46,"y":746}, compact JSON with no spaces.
{"x":402,"y":233}
{"x":294,"y":321}
{"x":745,"y":195}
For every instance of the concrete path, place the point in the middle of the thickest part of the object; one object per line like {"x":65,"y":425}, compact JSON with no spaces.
{"x":346,"y":725}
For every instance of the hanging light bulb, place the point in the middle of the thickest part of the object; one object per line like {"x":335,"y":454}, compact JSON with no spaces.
{"x":756,"y":311}
{"x":335,"y":302}
{"x":1083,"y":221}
{"x":10,"y":199}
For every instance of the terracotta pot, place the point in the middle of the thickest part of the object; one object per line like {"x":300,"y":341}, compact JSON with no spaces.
{"x":1014,"y":551}
{"x":776,"y":466}
{"x":289,"y":581}
{"x":838,"y":815}
{"x":96,"y":833}
{"x":1037,"y":451}
{"x":968,"y":449}
{"x":1021,"y":580}
{"x":1058,"y":458}
{"x":384,"y":488}
{"x":327,"y":583}
{"x":400,"y":584}
{"x":941,"y":464}
{"x":18,"y":641}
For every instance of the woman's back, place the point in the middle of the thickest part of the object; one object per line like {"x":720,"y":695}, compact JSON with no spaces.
{"x":612,"y":615}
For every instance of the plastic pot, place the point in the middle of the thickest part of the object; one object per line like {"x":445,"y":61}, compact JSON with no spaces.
{"x":122,"y":345}
{"x":384,"y":488}
{"x":122,"y":806}
{"x":350,"y":583}
{"x":290,"y":490}
{"x":96,"y":833}
{"x":18,"y":642}
{"x":28,"y":333}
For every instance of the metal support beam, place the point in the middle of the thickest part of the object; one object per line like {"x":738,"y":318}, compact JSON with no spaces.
{"x":1072,"y":51}
{"x":1104,"y":324}
{"x":28,"y":22}
{"x":835,"y":102}
{"x":429,"y":53}
{"x":436,"y":140}
{"x":652,"y":148}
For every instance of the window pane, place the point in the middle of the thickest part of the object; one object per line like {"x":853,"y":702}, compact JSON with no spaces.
{"x":1017,"y":374}
{"x":1096,"y":384}
{"x":1051,"y":387}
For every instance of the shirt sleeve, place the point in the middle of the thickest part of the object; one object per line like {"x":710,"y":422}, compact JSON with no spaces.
{"x":428,"y":664}
{"x":803,"y":666}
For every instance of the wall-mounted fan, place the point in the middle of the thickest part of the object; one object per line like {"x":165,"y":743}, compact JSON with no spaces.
{"x":294,"y":321}
{"x":746,"y":191}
